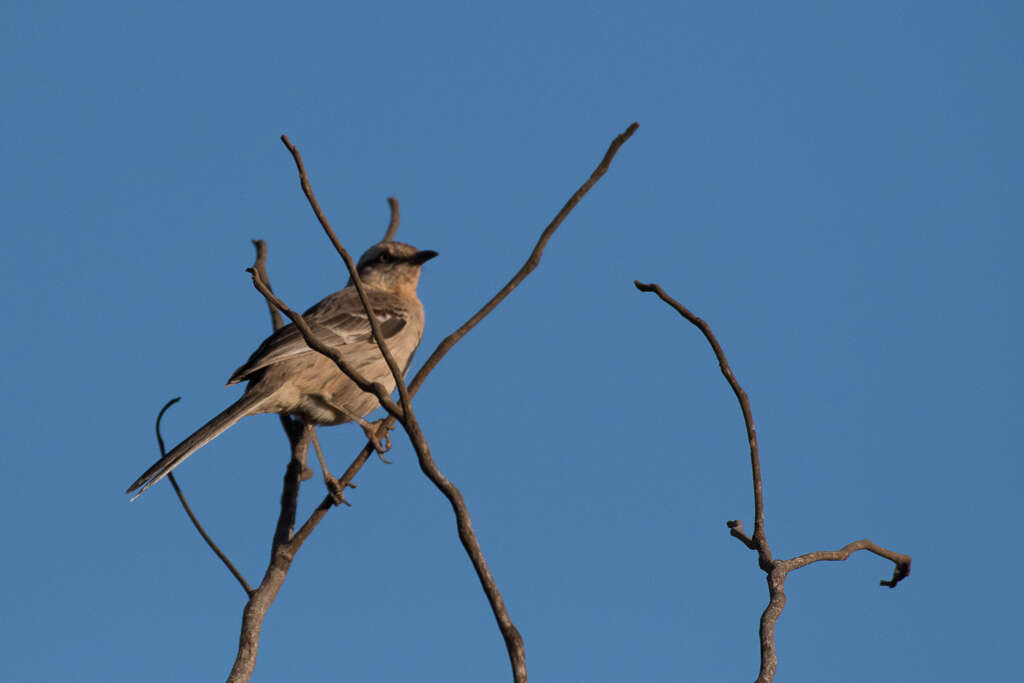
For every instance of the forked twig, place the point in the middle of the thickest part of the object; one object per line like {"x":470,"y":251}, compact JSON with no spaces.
{"x":777,"y":570}
{"x":284,"y":551}
{"x":446,"y":345}
{"x":513,"y":639}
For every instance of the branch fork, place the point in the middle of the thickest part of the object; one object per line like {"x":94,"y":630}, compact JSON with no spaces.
{"x":777,"y":570}
{"x":286,"y":541}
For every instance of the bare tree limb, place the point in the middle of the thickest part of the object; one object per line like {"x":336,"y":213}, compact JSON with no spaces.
{"x":299,"y":435}
{"x":760,"y":541}
{"x":901,"y":561}
{"x":188,"y":509}
{"x":260,"y":267}
{"x":284,"y":551}
{"x":531,"y":262}
{"x":777,"y":570}
{"x":446,"y":345}
{"x":512,"y":637}
{"x":256,"y":609}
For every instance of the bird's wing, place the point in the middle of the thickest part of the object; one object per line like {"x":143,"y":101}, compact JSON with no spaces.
{"x":338,"y":320}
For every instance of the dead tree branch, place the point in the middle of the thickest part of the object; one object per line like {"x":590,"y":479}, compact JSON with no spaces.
{"x":260,"y":266}
{"x":286,"y":543}
{"x":446,"y":345}
{"x":513,"y":640}
{"x":777,"y":570}
{"x":188,"y":508}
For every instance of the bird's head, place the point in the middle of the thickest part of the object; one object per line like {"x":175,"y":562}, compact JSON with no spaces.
{"x":394,"y":266}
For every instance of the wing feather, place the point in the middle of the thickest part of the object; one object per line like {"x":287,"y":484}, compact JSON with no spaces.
{"x":338,"y":319}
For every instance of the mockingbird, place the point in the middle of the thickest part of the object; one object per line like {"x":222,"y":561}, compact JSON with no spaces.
{"x":286,"y":376}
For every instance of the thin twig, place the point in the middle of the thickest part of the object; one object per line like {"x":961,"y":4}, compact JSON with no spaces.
{"x":396,"y":218}
{"x":188,"y":509}
{"x":285,"y":553}
{"x":759,"y":538}
{"x":299,"y":434}
{"x":261,"y":267}
{"x":531,"y":262}
{"x":901,"y":561}
{"x":288,"y":424}
{"x":307,"y":189}
{"x":319,"y":346}
{"x":512,"y":637}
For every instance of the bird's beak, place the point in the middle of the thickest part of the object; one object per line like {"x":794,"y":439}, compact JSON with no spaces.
{"x":421,"y":257}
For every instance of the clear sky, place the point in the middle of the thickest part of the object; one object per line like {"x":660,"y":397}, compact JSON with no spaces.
{"x":836,"y":189}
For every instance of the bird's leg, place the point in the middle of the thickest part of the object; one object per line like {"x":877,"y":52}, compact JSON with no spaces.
{"x":370,"y":429}
{"x":334,"y":487}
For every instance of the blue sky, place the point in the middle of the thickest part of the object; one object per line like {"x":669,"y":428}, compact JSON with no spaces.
{"x":835,"y":189}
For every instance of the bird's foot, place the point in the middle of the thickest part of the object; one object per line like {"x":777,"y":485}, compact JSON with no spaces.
{"x":381,"y":446}
{"x":335,"y":490}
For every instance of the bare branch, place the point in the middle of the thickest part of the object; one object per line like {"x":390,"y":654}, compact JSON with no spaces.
{"x":261,"y":267}
{"x":900,"y":572}
{"x":777,"y":570}
{"x":284,"y":552}
{"x":396,"y":218}
{"x":188,"y":509}
{"x":319,"y":346}
{"x":378,"y":337}
{"x":445,"y":346}
{"x":255,"y":610}
{"x":299,"y":434}
{"x":531,"y":263}
{"x":736,"y":531}
{"x":759,"y":538}
{"x":513,"y":639}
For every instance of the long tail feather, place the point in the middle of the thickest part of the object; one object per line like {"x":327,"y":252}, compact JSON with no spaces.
{"x":204,"y":435}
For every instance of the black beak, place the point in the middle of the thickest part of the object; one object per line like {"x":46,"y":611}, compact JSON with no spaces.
{"x":421,"y":257}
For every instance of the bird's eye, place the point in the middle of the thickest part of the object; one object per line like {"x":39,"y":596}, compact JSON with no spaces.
{"x":384,"y":257}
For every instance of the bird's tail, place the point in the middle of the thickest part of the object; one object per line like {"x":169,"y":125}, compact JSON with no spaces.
{"x":204,"y":435}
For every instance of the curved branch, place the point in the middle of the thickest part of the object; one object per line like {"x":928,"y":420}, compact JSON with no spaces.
{"x":531,"y":262}
{"x":513,"y":639}
{"x":445,"y":346}
{"x":759,"y":538}
{"x":777,"y":570}
{"x":396,"y":218}
{"x":288,"y":424}
{"x":901,"y":561}
{"x":260,"y":266}
{"x":188,"y":508}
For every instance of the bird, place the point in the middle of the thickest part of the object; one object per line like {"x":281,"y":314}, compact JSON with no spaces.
{"x":286,"y":376}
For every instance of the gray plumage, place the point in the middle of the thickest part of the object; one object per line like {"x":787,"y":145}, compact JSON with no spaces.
{"x":286,"y":376}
